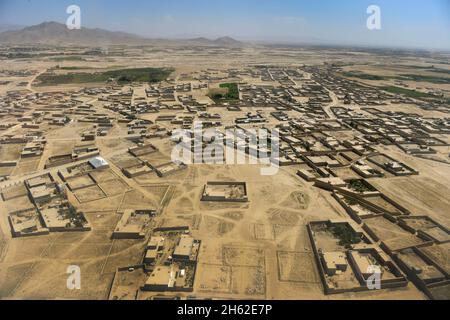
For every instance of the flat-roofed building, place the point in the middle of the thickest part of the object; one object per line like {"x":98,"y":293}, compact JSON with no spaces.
{"x":155,"y":244}
{"x":99,"y":163}
{"x":225,"y":191}
{"x":132,"y":225}
{"x":165,"y":278}
{"x":363,"y":263}
{"x":184,"y":248}
{"x":334,"y":262}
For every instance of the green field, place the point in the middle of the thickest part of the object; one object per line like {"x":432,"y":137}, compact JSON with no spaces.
{"x":407,"y":92}
{"x":71,"y":68}
{"x":404,"y":77}
{"x":121,"y":76}
{"x":361,"y":75}
{"x":421,"y":78}
{"x":232,"y":93}
{"x":445,"y":71}
{"x":68,"y":58}
{"x":347,"y":237}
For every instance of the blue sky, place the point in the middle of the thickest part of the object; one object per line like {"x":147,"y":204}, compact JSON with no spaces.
{"x":405,"y":23}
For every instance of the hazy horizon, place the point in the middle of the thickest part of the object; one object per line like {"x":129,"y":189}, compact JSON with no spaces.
{"x":412,"y":24}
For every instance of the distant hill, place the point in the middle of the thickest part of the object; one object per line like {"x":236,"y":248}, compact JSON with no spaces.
{"x":10,"y":27}
{"x":54,"y":33}
{"x":200,"y":39}
{"x":227,"y":41}
{"x":223,"y":41}
{"x":58,"y":33}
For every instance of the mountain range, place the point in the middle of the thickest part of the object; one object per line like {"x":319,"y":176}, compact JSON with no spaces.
{"x":54,"y":33}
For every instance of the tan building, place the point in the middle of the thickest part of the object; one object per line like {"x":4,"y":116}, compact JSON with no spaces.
{"x":334,"y":262}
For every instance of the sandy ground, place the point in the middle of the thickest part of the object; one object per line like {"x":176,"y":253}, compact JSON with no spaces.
{"x":259,"y":249}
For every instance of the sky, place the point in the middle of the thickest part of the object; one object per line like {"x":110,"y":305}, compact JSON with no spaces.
{"x":421,"y":24}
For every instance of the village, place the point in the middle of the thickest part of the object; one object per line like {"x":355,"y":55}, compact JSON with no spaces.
{"x":88,"y":178}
